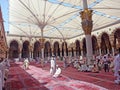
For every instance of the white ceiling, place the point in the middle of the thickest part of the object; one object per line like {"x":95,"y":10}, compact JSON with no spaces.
{"x":59,"y":18}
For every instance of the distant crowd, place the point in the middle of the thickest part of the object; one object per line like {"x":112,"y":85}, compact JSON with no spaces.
{"x":107,"y":62}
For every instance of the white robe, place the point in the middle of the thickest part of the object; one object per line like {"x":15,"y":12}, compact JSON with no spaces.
{"x":26,"y":63}
{"x":117,"y":65}
{"x":57,"y":73}
{"x":52,"y":66}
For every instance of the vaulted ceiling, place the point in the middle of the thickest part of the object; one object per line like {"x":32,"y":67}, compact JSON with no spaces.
{"x":59,"y":18}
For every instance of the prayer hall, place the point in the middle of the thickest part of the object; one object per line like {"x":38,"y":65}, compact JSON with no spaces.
{"x":59,"y":44}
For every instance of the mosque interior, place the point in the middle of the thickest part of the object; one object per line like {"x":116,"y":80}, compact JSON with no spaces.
{"x":71,"y":28}
{"x":57,"y":26}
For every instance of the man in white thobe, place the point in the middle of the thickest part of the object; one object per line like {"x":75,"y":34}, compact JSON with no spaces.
{"x":58,"y":72}
{"x":52,"y":66}
{"x":117,"y":68}
{"x":26,"y":63}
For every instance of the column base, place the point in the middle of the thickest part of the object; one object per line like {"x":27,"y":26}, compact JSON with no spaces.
{"x":90,"y":60}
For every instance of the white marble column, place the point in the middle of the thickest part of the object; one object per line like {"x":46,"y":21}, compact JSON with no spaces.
{"x":89,"y":49}
{"x":87,"y":24}
{"x":100,"y":51}
{"x":70,"y":53}
{"x":108,"y":50}
{"x":113,"y":51}
{"x":60,"y":52}
{"x":42,"y":44}
{"x":85,"y":6}
{"x":31,"y":54}
{"x":81,"y":52}
{"x":42,"y":52}
{"x":20,"y":54}
{"x":64,"y":49}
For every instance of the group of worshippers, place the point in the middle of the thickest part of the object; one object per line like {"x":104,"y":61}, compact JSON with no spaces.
{"x":55,"y":70}
{"x":4,"y":69}
{"x":115,"y":65}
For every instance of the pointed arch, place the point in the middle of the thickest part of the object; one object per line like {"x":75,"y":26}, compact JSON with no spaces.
{"x":56,"y":50}
{"x":36,"y":50}
{"x":25,"y":49}
{"x":117,"y":38}
{"x":78,"y":51}
{"x":47,"y":49}
{"x":84,"y":47}
{"x":64,"y":49}
{"x":94,"y":44}
{"x":14,"y":49}
{"x":105,"y":44}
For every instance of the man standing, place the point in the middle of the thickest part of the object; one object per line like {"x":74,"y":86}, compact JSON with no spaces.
{"x":117,"y":67}
{"x":26,"y":63}
{"x":52,"y":65}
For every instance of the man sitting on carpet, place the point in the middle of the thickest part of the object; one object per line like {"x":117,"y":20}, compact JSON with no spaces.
{"x":58,"y":72}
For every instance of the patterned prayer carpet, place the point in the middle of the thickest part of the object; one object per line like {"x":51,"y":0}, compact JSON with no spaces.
{"x":37,"y":78}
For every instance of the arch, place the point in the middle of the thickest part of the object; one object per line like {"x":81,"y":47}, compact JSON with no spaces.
{"x":36,"y":50}
{"x":117,"y":38}
{"x":105,"y":44}
{"x":47,"y":49}
{"x":78,"y":51}
{"x":56,"y":50}
{"x":9,"y":42}
{"x":94,"y":44}
{"x":25,"y":50}
{"x":84,"y":47}
{"x":71,"y":49}
{"x":64,"y":46}
{"x":14,"y":49}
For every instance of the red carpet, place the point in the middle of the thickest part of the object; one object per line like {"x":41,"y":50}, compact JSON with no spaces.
{"x":36,"y":78}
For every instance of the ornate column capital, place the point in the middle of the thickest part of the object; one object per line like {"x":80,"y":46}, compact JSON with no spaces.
{"x":87,"y":23}
{"x":42,"y":42}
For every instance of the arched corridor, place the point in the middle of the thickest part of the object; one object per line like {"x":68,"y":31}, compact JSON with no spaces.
{"x":25,"y":50}
{"x":14,"y":49}
{"x":59,"y":44}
